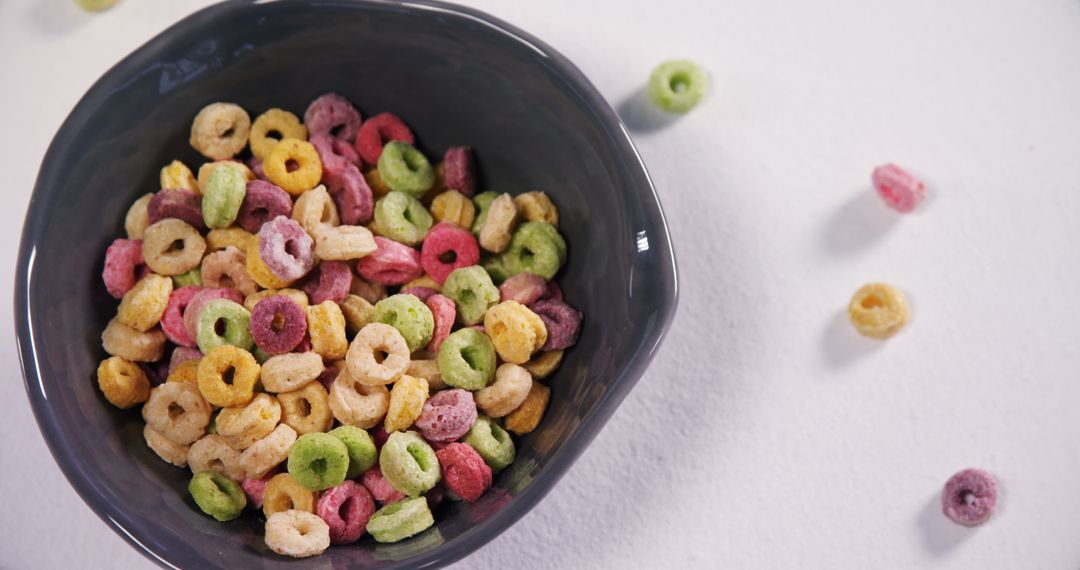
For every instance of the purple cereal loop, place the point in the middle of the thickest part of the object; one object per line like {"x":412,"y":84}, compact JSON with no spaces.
{"x":333,"y":164}
{"x":262,"y":202}
{"x":177,"y":203}
{"x":156,"y":372}
{"x":278,"y":324}
{"x":172,"y":320}
{"x":354,"y":200}
{"x":329,"y":282}
{"x":443,"y":311}
{"x":200,"y":300}
{"x":563,"y":323}
{"x":553,"y":293}
{"x":525,"y":288}
{"x":459,"y":170}
{"x":447,"y":415}
{"x":256,"y":167}
{"x":287,"y":250}
{"x":122,"y":262}
{"x":346,"y":509}
{"x":328,"y":375}
{"x":969,"y":497}
{"x":422,"y":293}
{"x":332,"y":112}
{"x":182,"y":354}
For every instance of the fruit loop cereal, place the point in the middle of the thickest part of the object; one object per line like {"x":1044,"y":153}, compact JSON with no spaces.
{"x":322,"y":334}
{"x":878,"y":310}
{"x":899,"y":188}
{"x":677,"y":86}
{"x":969,"y":497}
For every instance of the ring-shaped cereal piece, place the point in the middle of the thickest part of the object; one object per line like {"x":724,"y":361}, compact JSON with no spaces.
{"x":378,"y":130}
{"x":293,"y":165}
{"x":185,"y":372}
{"x":297,"y":534}
{"x":499,"y":224}
{"x":217,"y":495}
{"x":677,"y":85}
{"x":343,"y":243}
{"x":473,"y":293}
{"x":262,"y":202}
{"x":356,"y":404}
{"x":535,"y":248}
{"x":223,"y":196}
{"x":306,"y":410}
{"x":527,"y":416}
{"x":492,"y":443}
{"x":525,"y":288}
{"x":172,"y":320}
{"x":177,"y":411}
{"x":296,"y":295}
{"x":223,"y":322}
{"x":122,"y":262}
{"x":334,"y":163}
{"x":464,"y":471}
{"x":274,"y":122}
{"x":121,"y":340}
{"x":448,"y":247}
{"x":397,"y":521}
{"x":427,"y":369}
{"x":516,"y":331}
{"x":176,"y":203}
{"x":314,"y":209}
{"x":172,"y":246}
{"x":373,"y":341}
{"x":326,"y":327}
{"x":219,"y":239}
{"x":544,"y":364}
{"x":177,"y":175}
{"x":122,"y":382}
{"x":405,"y":169}
{"x":278,"y":324}
{"x":212,"y":453}
{"x":354,"y":198}
{"x":333,"y":115}
{"x":206,"y":171}
{"x":138,"y":217}
{"x":969,"y":497}
{"x":228,"y":362}
{"x":286,"y":249}
{"x":459,"y":170}
{"x":878,"y":310}
{"x":453,"y":207}
{"x":443,"y":312}
{"x":495,"y":266}
{"x":242,"y":426}
{"x":292,"y":371}
{"x":268,"y":452}
{"x":467,"y":359}
{"x":409,"y":463}
{"x":220,"y":130}
{"x":259,"y":271}
{"x":143,"y":306}
{"x":318,"y":461}
{"x":402,"y":218}
{"x":511,"y":387}
{"x":284,"y":493}
{"x":482,"y":201}
{"x":227,"y":269}
{"x":535,"y":206}
{"x":346,"y":510}
{"x":381,"y":490}
{"x":361,"y":447}
{"x":330,"y":281}
{"x":410,"y":316}
{"x":165,"y":448}
{"x":199,"y":301}
{"x":407,"y":397}
{"x":562,"y":322}
{"x":255,"y":488}
{"x":391,"y":263}
{"x":447,"y":416}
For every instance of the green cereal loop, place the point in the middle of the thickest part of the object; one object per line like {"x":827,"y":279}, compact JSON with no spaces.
{"x":405,"y":169}
{"x":467,"y":359}
{"x":361,"y":447}
{"x":223,"y":195}
{"x":677,"y":85}
{"x":410,"y":316}
{"x":472,"y":291}
{"x":495,"y":267}
{"x":217,"y":495}
{"x":212,"y":426}
{"x":409,"y":464}
{"x":261,"y":356}
{"x":536,"y":248}
{"x":400,"y":520}
{"x":482,"y":201}
{"x":318,"y":461}
{"x":402,"y":218}
{"x":235,"y":320}
{"x":193,"y":277}
{"x":492,"y":442}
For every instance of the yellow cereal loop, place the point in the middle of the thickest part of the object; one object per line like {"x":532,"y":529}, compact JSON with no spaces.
{"x":501,"y":218}
{"x":356,"y":404}
{"x":528,"y":415}
{"x":272,"y":126}
{"x":138,"y":217}
{"x":428,"y":369}
{"x":242,"y":426}
{"x":207,"y":170}
{"x":176,"y":174}
{"x":122,"y":382}
{"x":357,"y":312}
{"x":424,"y":280}
{"x":293,"y":165}
{"x":283,"y":493}
{"x":516,"y":331}
{"x":306,"y":410}
{"x":299,"y":297}
{"x":537,"y":207}
{"x":227,"y":376}
{"x":220,"y":130}
{"x":375,"y":182}
{"x":220,"y":239}
{"x":453,"y":207}
{"x":326,"y":325}
{"x":544,"y":364}
{"x":407,"y":397}
{"x":142,"y":306}
{"x":172,"y":247}
{"x":314,"y":209}
{"x":259,"y":271}
{"x":878,"y":310}
{"x":187,"y":371}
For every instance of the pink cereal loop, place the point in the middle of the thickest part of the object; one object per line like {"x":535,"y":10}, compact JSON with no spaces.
{"x":346,"y":509}
{"x":331,"y":114}
{"x":172,"y":321}
{"x":123,"y":260}
{"x":444,"y":311}
{"x":380,"y":488}
{"x":900,"y":189}
{"x":391,"y":263}
{"x":330,"y":281}
{"x":200,"y":300}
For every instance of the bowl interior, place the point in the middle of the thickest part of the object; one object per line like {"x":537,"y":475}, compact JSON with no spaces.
{"x":456,"y":77}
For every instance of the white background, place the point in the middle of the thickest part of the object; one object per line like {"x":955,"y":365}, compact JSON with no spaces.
{"x":767,"y":434}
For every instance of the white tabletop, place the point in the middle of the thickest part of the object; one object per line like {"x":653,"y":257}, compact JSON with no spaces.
{"x":767,"y":434}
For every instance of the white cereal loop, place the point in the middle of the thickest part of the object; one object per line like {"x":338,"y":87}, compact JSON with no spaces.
{"x":357,"y":404}
{"x":138,"y":217}
{"x":343,"y":243}
{"x":165,"y":448}
{"x":297,"y":534}
{"x":178,"y":411}
{"x":268,"y":452}
{"x":315,"y":208}
{"x":428,"y":369}
{"x":372,"y":342}
{"x":121,"y":340}
{"x":212,"y":453}
{"x":511,"y":386}
{"x":242,"y":426}
{"x":502,"y":215}
{"x":291,"y":371}
{"x":220,"y":130}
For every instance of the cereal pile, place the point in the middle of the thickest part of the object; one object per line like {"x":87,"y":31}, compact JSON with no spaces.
{"x":335,"y":324}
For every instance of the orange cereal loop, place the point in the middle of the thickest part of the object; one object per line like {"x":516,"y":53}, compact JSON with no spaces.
{"x":878,"y":310}
{"x":516,"y":331}
{"x":207,"y":170}
{"x":121,"y":340}
{"x":283,"y":493}
{"x":259,"y":271}
{"x":219,"y":239}
{"x":423,"y":281}
{"x":187,"y":371}
{"x":227,"y":376}
{"x":220,"y":130}
{"x":375,"y":182}
{"x":453,"y":207}
{"x":138,"y":217}
{"x":326,"y":325}
{"x":537,"y":207}
{"x":142,"y":306}
{"x":122,"y":382}
{"x":294,"y":166}
{"x":544,"y":364}
{"x":306,"y":410}
{"x":271,"y":127}
{"x":176,"y":174}
{"x":528,"y":415}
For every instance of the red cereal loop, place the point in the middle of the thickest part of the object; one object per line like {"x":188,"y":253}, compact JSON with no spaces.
{"x":380,"y":488}
{"x":562,"y":321}
{"x":377,"y":131}
{"x":446,"y":248}
{"x":391,"y":263}
{"x":263,"y":202}
{"x":447,"y":415}
{"x":464,"y":471}
{"x":459,"y":170}
{"x":200,"y":300}
{"x":354,"y":200}
{"x":328,"y":375}
{"x":422,"y":293}
{"x":172,"y":321}
{"x":330,"y":281}
{"x":331,"y":114}
{"x":444,"y":311}
{"x":123,"y":262}
{"x":254,"y":488}
{"x":278,"y":324}
{"x":900,"y":189}
{"x":525,"y":288}
{"x":177,"y":203}
{"x":346,"y":509}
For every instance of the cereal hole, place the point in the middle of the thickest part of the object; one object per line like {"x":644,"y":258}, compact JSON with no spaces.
{"x":291,"y":165}
{"x":216,"y":465}
{"x":220,"y":326}
{"x":177,"y":246}
{"x":175,"y":410}
{"x":278,"y":322}
{"x":226,"y":281}
{"x":379,"y":355}
{"x":497,"y":329}
{"x":526,"y":255}
{"x":274,"y":134}
{"x":228,"y":375}
{"x":467,"y":296}
{"x":967,"y":497}
{"x":448,"y":257}
{"x":229,"y":132}
{"x":871,"y":302}
{"x":345,"y":509}
{"x":304,"y":407}
{"x":679,"y":82}
{"x":471,"y":356}
{"x":318,"y":466}
{"x":413,"y":160}
{"x":335,"y":131}
{"x":292,"y":247}
{"x":327,"y":213}
{"x":418,"y":455}
{"x":260,"y":214}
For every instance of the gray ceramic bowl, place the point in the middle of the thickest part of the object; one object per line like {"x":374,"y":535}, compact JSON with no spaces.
{"x":457,"y":76}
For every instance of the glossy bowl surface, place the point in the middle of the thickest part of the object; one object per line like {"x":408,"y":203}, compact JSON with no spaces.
{"x":457,"y":76}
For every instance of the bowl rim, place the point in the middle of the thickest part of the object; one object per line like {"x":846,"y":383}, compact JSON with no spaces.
{"x":658,"y":238}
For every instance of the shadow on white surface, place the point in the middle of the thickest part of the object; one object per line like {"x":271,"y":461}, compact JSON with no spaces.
{"x":641,"y":115}
{"x":841,"y":345}
{"x":859,"y":223}
{"x":940,"y":535}
{"x":57,"y":17}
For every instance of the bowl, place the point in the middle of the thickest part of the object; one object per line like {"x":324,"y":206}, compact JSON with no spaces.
{"x":457,"y":76}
